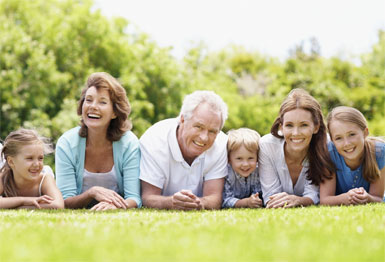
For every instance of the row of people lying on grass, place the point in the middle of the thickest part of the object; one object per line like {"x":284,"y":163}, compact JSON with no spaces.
{"x":184,"y":161}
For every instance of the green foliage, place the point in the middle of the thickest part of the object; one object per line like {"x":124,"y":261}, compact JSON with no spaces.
{"x":48,"y":48}
{"x":353,"y":233}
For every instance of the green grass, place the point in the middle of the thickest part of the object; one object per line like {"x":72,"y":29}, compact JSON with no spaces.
{"x":301,"y":234}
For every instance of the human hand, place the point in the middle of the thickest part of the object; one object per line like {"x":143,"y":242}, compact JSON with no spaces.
{"x":282,"y":200}
{"x":358,"y":196}
{"x":254,"y":201}
{"x":186,"y":200}
{"x":36,"y":201}
{"x":102,"y":194}
{"x":102,"y":206}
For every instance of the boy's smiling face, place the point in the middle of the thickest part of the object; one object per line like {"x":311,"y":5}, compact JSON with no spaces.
{"x":243,"y":161}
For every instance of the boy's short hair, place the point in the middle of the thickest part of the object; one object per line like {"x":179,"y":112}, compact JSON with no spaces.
{"x":242,"y":136}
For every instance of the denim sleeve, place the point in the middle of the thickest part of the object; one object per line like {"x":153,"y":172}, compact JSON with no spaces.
{"x":228,"y":193}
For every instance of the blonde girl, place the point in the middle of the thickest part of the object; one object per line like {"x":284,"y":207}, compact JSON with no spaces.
{"x":359,"y":160}
{"x":23,"y":183}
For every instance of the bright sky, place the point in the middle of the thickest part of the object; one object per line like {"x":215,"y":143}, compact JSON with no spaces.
{"x":345,"y":28}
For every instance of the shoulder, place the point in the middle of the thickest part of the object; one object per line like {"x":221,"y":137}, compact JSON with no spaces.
{"x":380,"y":154}
{"x":70,"y":137}
{"x":159,"y":131}
{"x":380,"y":148}
{"x":126,"y":145}
{"x":128,"y":139}
{"x":220,"y":143}
{"x":270,"y":141}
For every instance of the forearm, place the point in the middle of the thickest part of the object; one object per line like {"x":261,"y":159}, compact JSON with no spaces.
{"x":375,"y":199}
{"x":79,"y":201}
{"x":242,"y":203}
{"x":11,"y":202}
{"x":211,"y":202}
{"x":157,"y":201}
{"x":341,"y":199}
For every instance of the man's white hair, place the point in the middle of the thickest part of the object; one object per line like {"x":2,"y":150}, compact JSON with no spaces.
{"x":193,"y":100}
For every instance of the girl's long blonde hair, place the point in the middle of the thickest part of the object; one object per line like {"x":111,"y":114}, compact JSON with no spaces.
{"x":370,"y":170}
{"x":12,"y":146}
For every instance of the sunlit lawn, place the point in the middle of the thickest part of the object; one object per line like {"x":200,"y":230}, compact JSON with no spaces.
{"x":302,"y":234}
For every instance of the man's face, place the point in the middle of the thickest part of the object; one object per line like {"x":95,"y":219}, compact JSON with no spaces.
{"x":197,"y":134}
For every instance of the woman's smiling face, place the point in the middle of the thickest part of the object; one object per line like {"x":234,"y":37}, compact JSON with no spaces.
{"x":298,"y":128}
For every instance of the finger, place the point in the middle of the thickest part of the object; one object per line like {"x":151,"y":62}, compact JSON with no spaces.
{"x":184,"y":198}
{"x":188,"y":193}
{"x":357,"y":199}
{"x":36,"y":204}
{"x":184,"y":204}
{"x":116,"y":203}
{"x":95,"y":206}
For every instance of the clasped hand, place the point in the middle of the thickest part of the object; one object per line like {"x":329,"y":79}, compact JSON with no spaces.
{"x":107,"y":198}
{"x":254,"y":201}
{"x":186,"y":200}
{"x":357,"y":196}
{"x":282,"y":200}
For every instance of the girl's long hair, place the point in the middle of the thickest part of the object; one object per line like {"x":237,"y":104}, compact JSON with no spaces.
{"x":320,"y":164}
{"x":13,"y":144}
{"x":370,"y":170}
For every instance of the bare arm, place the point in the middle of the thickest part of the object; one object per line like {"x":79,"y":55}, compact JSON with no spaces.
{"x":100,"y":194}
{"x":152,"y":197}
{"x":49,"y":188}
{"x":212,"y":193}
{"x":376,"y":191}
{"x":328,"y":193}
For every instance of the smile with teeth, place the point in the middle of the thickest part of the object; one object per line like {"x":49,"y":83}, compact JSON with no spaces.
{"x":349,"y":150}
{"x":297,"y":140}
{"x":93,"y":116}
{"x":198,"y":144}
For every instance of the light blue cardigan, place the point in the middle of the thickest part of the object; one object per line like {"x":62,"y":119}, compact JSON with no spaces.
{"x":69,"y":162}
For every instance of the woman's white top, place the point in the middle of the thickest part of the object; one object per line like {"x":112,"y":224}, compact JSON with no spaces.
{"x":107,"y":180}
{"x":274,"y":173}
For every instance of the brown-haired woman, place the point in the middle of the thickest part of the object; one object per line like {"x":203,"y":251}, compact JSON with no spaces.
{"x":294,"y":156}
{"x":97,"y":164}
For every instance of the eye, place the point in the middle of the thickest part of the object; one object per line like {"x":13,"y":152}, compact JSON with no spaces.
{"x":103,"y":102}
{"x":305,"y":125}
{"x":41,"y":158}
{"x":213,"y":132}
{"x":198,"y":127}
{"x":352,"y":134}
{"x":288,"y":125}
{"x":337,"y":138}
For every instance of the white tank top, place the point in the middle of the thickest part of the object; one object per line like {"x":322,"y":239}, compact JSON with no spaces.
{"x":106,"y":180}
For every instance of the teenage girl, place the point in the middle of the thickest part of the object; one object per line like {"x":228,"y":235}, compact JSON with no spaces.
{"x":359,"y":161}
{"x":23,"y":181}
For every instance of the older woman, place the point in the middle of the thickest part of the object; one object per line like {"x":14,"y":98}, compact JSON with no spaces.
{"x":97,"y":164}
{"x":294,"y":156}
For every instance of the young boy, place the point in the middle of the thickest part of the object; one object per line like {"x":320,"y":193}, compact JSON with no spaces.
{"x":242,"y":186}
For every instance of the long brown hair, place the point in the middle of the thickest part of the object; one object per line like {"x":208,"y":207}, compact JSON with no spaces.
{"x":13,"y":144}
{"x":320,"y":164}
{"x":370,"y":170}
{"x":121,"y":106}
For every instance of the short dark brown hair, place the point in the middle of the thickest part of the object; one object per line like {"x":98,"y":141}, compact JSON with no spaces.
{"x":120,"y":104}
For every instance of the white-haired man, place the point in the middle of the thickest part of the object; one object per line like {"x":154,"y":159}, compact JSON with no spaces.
{"x":184,"y":159}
